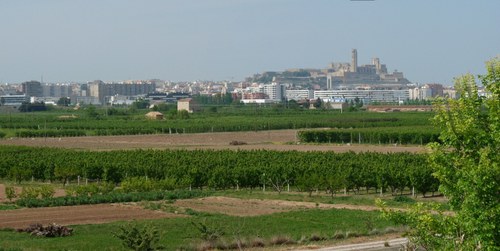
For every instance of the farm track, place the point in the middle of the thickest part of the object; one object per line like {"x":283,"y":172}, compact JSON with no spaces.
{"x":278,"y":140}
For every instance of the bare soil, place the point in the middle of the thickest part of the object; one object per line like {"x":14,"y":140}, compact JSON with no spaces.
{"x":281,"y":140}
{"x":254,"y":207}
{"x":75,"y":215}
{"x":102,"y":213}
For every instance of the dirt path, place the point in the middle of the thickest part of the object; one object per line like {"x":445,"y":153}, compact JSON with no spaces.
{"x":280,"y":140}
{"x":74,"y":215}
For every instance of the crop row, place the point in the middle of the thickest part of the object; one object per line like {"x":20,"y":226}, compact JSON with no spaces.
{"x":113,"y":197}
{"x":46,"y":124}
{"x":223,"y":169}
{"x":402,"y":135}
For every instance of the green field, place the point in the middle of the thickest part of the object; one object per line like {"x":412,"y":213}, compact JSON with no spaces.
{"x":180,"y":232}
{"x":60,"y":123}
{"x":318,"y":177}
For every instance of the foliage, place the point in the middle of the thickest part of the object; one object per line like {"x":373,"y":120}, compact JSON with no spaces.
{"x":49,"y":133}
{"x":10,"y":192}
{"x":29,"y":193}
{"x":32,"y":107}
{"x":140,"y":104}
{"x":431,"y":229}
{"x":64,"y":101}
{"x":223,"y":169}
{"x":91,"y":112}
{"x":207,"y":232}
{"x":137,"y":238}
{"x":101,"y":188}
{"x":217,"y":99}
{"x":46,"y":191}
{"x":137,"y":184}
{"x":90,"y":121}
{"x":467,"y":165}
{"x":179,"y":233}
{"x":114,"y":197}
{"x":386,"y":135}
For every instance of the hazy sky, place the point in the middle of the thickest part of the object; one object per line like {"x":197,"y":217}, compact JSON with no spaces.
{"x":84,"y":40}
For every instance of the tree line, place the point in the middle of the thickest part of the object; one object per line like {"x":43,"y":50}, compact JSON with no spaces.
{"x":386,"y":135}
{"x":227,"y":169}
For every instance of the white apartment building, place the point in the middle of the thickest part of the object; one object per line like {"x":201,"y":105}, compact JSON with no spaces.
{"x":367,"y":96}
{"x":274,"y":91}
{"x":299,"y":94}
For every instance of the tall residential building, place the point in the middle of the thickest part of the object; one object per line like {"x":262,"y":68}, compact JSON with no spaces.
{"x":274,"y":91}
{"x":103,"y":91}
{"x":427,"y":91}
{"x":299,"y":94}
{"x":57,"y":90}
{"x":32,"y":89}
{"x":367,"y":96}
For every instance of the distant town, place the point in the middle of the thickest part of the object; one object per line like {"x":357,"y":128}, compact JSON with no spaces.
{"x":338,"y":83}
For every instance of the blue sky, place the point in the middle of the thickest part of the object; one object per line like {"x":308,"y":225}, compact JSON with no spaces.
{"x":84,"y":40}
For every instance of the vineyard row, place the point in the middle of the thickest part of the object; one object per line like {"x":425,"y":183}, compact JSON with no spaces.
{"x":223,"y":169}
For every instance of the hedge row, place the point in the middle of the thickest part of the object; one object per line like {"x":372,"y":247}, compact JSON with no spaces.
{"x":50,"y":133}
{"x":374,"y":136}
{"x":114,"y":197}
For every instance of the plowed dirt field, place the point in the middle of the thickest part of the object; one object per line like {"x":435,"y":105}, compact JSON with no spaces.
{"x":74,"y":215}
{"x":281,"y":140}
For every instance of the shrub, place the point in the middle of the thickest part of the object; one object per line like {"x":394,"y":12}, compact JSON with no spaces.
{"x":87,"y":190}
{"x":257,"y":243}
{"x":338,"y":235}
{"x":46,"y":191}
{"x":106,"y":187}
{"x":137,"y":238}
{"x":113,"y":197}
{"x":10,"y":192}
{"x":29,"y":193}
{"x":403,"y":199}
{"x":137,"y":184}
{"x":349,"y":234}
{"x":281,"y":240}
{"x":208,"y":233}
{"x":316,"y":237}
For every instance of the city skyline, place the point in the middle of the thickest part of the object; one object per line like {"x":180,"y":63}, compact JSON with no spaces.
{"x":233,"y":39}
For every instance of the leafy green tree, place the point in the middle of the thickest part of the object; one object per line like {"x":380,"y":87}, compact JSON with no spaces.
{"x":309,"y":182}
{"x":140,"y":104}
{"x":91,"y":112}
{"x":19,"y":173}
{"x":183,"y":114}
{"x":466,"y":164}
{"x":32,"y":107}
{"x":65,"y":173}
{"x":64,"y":101}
